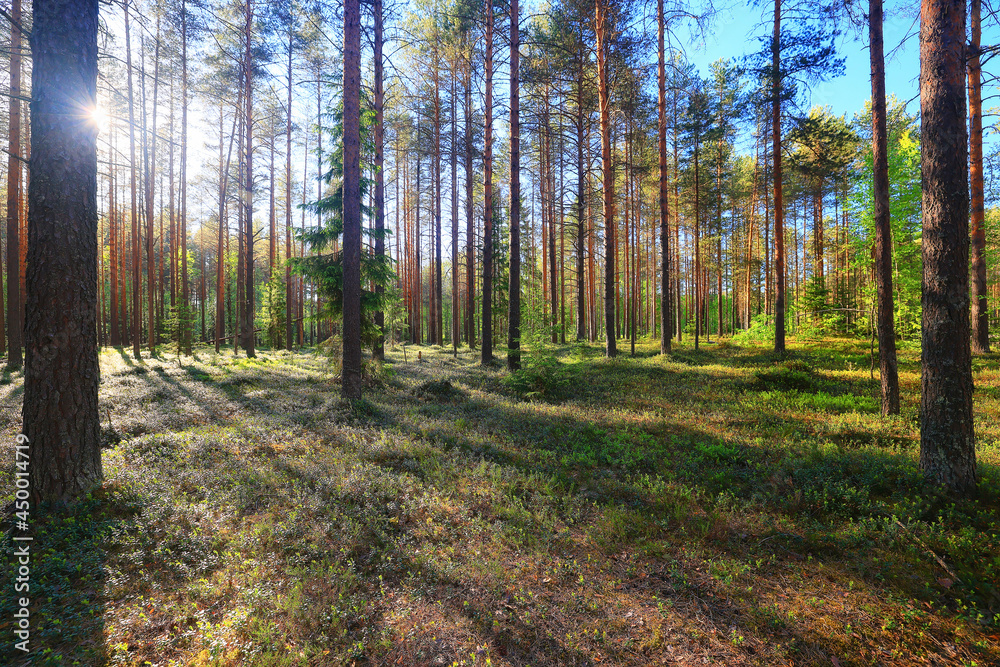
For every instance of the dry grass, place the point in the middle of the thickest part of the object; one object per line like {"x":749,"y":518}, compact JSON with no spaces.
{"x":724,"y":507}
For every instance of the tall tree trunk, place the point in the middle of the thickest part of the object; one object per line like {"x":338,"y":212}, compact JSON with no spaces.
{"x":379,"y":351}
{"x":113,"y":250}
{"x":437,"y":291}
{"x":470,"y":252}
{"x":136,"y":274}
{"x":61,"y":376}
{"x":665,"y":323}
{"x":980,"y":312}
{"x":883,"y":231}
{"x":514,"y":302}
{"x":150,"y":197}
{"x":581,"y":195}
{"x":14,"y":326}
{"x":487,"y":350}
{"x":289,"y":301}
{"x":248,"y":188}
{"x":607,"y":169}
{"x":182,"y":218}
{"x":779,"y":226}
{"x":947,"y":441}
{"x":350,"y":385}
{"x":456,"y":334}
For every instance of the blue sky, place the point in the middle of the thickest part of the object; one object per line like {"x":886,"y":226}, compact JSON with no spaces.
{"x":735,"y":30}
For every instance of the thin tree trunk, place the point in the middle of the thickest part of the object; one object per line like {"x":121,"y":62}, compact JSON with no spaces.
{"x":779,"y":228}
{"x":14,"y":326}
{"x":487,"y":324}
{"x":607,"y":166}
{"x":289,"y":301}
{"x":136,"y":275}
{"x":248,"y":188}
{"x":980,"y":312}
{"x":514,"y":312}
{"x":883,"y":231}
{"x":665,"y":323}
{"x":379,"y":350}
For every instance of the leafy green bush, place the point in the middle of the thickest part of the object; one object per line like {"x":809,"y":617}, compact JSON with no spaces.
{"x":541,"y":376}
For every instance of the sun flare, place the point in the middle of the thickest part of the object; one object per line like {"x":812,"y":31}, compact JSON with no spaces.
{"x":100,"y":118}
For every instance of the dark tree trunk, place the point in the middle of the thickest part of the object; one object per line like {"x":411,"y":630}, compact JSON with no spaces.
{"x":980,"y":313}
{"x":607,"y":166}
{"x":62,"y":373}
{"x":779,"y":212}
{"x":470,"y":229}
{"x":14,"y":199}
{"x":947,"y":443}
{"x":487,"y":349}
{"x":351,"y":375}
{"x":379,"y":350}
{"x":883,"y":231}
{"x":248,"y":187}
{"x":514,"y":303}
{"x":665,"y":322}
{"x":135,"y":259}
{"x":289,"y":301}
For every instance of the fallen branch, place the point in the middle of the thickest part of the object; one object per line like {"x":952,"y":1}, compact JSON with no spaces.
{"x":929,"y":551}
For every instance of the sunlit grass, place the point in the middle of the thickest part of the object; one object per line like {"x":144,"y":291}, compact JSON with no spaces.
{"x":726,"y":504}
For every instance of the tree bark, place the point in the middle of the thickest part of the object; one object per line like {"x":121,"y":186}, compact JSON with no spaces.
{"x":248,"y":188}
{"x":888,"y":371}
{"x":514,"y":302}
{"x":135,"y":259}
{"x":665,"y":322}
{"x":980,"y":313}
{"x":14,"y":327}
{"x":779,"y":212}
{"x":487,"y":349}
{"x":947,"y":443}
{"x":351,"y":374}
{"x":607,"y":169}
{"x":379,"y":349}
{"x":61,"y":372}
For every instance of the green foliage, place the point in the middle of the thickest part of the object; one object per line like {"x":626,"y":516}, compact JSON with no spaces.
{"x":179,"y":325}
{"x":904,"y":210}
{"x":541,"y":376}
{"x":271,"y":317}
{"x":325,"y":265}
{"x":761,"y":330}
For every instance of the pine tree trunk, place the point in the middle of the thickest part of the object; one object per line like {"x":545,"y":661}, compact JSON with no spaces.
{"x":665,"y":323}
{"x":248,"y":188}
{"x":779,"y":227}
{"x":14,"y":326}
{"x":487,"y":323}
{"x":62,"y":373}
{"x":947,"y":442}
{"x":883,"y":231}
{"x":514,"y":311}
{"x":185,"y":336}
{"x":135,"y":259}
{"x":350,"y":385}
{"x":379,"y":350}
{"x":980,"y":312}
{"x":607,"y":170}
{"x":289,"y":301}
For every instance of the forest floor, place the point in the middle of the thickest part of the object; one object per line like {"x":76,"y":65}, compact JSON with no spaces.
{"x":719,"y":507}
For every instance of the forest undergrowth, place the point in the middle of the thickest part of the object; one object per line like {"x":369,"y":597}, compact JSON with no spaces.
{"x":724,"y":506}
